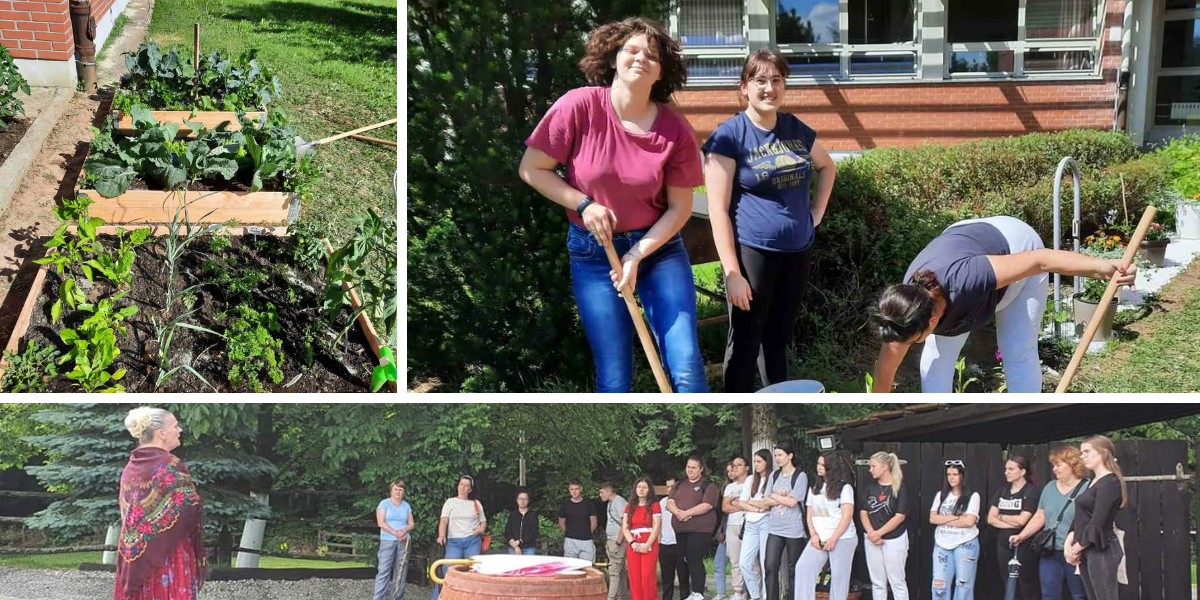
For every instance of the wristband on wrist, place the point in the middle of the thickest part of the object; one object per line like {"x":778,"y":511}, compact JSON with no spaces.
{"x":587,"y":201}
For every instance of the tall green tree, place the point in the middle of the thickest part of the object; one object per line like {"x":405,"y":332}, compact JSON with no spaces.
{"x":16,"y":423}
{"x":489,"y":294}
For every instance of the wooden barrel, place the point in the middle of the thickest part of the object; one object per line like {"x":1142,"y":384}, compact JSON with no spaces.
{"x":464,"y":584}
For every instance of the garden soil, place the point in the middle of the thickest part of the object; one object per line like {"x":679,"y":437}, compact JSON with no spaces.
{"x":344,"y":369}
{"x":10,"y":137}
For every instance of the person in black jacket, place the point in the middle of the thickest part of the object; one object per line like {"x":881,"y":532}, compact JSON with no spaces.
{"x":1092,"y":542}
{"x":521,"y":530}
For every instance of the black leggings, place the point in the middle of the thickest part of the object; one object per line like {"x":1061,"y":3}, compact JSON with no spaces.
{"x":774,"y":559}
{"x":694,"y":547}
{"x":777,"y":281}
{"x":1029,"y":584}
{"x":671,"y":564}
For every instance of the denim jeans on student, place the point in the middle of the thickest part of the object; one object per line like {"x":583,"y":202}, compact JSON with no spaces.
{"x":956,"y":570}
{"x":1054,"y":571}
{"x":751,"y":562}
{"x":391,"y":553}
{"x":666,"y":288}
{"x":459,"y":548}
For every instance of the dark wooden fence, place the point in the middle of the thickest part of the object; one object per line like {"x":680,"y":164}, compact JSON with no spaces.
{"x":1157,"y":520}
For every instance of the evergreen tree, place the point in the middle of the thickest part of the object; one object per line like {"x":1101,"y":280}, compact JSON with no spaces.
{"x":87,"y":458}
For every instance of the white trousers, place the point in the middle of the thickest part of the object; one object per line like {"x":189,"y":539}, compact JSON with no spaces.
{"x":886,"y":565}
{"x":812,"y":561}
{"x":1018,"y":323}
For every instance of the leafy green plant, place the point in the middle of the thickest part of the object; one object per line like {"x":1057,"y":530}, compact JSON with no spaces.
{"x":11,"y":82}
{"x":960,"y":368}
{"x":68,"y":254}
{"x":306,"y":244}
{"x":366,"y":263}
{"x":1093,"y":290}
{"x":94,"y":346}
{"x":119,"y":269}
{"x":1155,"y":232}
{"x":174,"y":246}
{"x":219,"y":243}
{"x":1182,"y":156}
{"x":868,"y":383}
{"x":254,"y":353}
{"x":1059,"y":312}
{"x":30,"y":371}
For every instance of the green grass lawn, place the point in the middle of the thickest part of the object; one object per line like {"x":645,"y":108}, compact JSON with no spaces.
{"x":72,"y":560}
{"x":337,"y":63}
{"x":1163,"y":357}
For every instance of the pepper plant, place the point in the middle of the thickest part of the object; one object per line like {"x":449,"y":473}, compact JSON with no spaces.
{"x":68,"y":253}
{"x":94,"y":346}
{"x":11,"y":82}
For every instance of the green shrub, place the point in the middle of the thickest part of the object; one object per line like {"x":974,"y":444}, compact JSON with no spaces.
{"x":11,"y":82}
{"x":1182,"y":155}
{"x":31,"y":371}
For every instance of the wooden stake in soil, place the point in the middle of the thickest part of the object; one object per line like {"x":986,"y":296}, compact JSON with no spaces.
{"x":371,"y":139}
{"x":1094,"y":324}
{"x":635,"y":313}
{"x":196,"y":49}
{"x":363,"y":320}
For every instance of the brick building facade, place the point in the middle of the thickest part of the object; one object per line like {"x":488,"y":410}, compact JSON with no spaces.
{"x":871,"y":73}
{"x":39,"y":36}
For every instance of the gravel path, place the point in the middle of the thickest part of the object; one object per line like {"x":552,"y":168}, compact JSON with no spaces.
{"x":41,"y":584}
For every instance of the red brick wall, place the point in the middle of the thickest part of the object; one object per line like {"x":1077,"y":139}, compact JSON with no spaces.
{"x":40,"y":30}
{"x":858,"y":117}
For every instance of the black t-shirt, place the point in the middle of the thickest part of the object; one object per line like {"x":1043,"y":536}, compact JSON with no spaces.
{"x":958,"y":257}
{"x":881,"y":505}
{"x":579,"y":525}
{"x":1010,"y":504}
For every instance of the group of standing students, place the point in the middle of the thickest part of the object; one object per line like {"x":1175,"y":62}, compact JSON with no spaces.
{"x":631,"y":165}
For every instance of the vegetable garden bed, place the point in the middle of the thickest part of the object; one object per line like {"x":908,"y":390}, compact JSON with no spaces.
{"x":250,"y":175}
{"x":11,"y":132}
{"x":210,"y":119}
{"x":179,"y":309}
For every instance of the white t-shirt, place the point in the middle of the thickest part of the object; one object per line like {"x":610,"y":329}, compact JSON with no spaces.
{"x":464,"y":515}
{"x":667,"y":536}
{"x":950,"y":537}
{"x":734,"y":490}
{"x":826,"y":513}
{"x":746,"y":496}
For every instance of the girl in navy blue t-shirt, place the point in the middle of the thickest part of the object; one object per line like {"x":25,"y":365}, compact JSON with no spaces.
{"x":758,"y":168}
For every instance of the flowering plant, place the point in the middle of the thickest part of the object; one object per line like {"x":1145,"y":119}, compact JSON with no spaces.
{"x":1156,"y":232}
{"x":1102,"y":242}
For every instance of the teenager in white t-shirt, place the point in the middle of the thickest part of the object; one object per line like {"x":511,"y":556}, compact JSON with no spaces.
{"x":830,"y":518}
{"x":955,"y":512}
{"x":754,"y":534}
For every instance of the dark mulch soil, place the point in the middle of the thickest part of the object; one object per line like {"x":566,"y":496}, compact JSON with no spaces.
{"x":10,"y":137}
{"x":345,"y":369}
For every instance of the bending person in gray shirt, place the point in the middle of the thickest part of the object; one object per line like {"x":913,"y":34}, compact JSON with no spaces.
{"x":974,"y":269}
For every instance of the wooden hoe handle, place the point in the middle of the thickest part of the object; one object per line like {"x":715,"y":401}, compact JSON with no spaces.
{"x":1109,"y":293}
{"x":664,"y":385}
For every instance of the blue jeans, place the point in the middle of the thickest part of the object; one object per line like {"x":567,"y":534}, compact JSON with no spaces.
{"x":666,"y":289}
{"x":754,"y":552}
{"x":524,"y":551}
{"x":459,"y":548}
{"x":391,"y":553}
{"x":955,"y":569}
{"x":1054,"y":572}
{"x":720,"y":561}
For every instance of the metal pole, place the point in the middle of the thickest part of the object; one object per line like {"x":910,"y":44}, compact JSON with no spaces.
{"x":521,"y":475}
{"x":1063,"y":164}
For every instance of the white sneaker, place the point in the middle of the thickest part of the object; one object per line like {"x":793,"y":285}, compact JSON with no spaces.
{"x":738,"y":596}
{"x":695,"y":596}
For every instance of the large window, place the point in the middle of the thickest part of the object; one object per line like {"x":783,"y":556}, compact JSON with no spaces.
{"x":1177,"y":95}
{"x":806,"y":22}
{"x":882,"y":21}
{"x":1022,"y":37}
{"x":713,"y":36}
{"x":848,"y":39}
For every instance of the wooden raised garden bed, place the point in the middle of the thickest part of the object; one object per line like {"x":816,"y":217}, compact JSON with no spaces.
{"x":210,"y":119}
{"x":295,"y":294}
{"x":148,"y":206}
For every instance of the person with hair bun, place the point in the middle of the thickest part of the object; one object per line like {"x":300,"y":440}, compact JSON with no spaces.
{"x":395,"y":519}
{"x":1056,"y":512}
{"x":883,"y":511}
{"x":1092,"y":543}
{"x":631,"y":164}
{"x":758,"y":169}
{"x":160,"y":553}
{"x":974,"y":269}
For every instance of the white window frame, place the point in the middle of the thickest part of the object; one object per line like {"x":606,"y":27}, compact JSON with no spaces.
{"x":1021,"y":46}
{"x":845,"y":51}
{"x":711,"y":52}
{"x":1179,"y":14}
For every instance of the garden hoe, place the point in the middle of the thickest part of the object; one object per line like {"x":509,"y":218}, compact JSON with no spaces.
{"x":1130,"y":251}
{"x":639,"y":323}
{"x":303,"y":147}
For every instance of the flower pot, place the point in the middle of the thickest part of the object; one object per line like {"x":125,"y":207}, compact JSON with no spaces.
{"x":1084,"y":310}
{"x":1154,"y":251}
{"x":1187,"y":219}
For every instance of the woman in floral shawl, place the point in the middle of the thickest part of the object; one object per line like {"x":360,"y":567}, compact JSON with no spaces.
{"x":160,"y":553}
